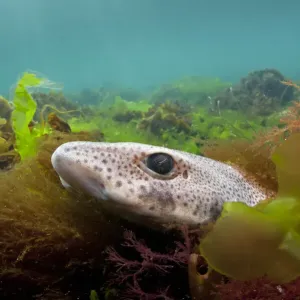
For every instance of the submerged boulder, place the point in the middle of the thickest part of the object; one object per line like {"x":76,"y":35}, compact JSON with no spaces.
{"x":260,"y":93}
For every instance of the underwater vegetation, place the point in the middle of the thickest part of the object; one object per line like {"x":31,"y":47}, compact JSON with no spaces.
{"x":174,"y":123}
{"x":192,"y":90}
{"x":255,"y":248}
{"x":271,"y":227}
{"x":62,"y":245}
{"x":46,"y":241}
{"x":260,"y":93}
{"x":105,"y":95}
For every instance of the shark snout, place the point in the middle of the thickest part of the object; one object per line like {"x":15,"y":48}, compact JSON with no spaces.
{"x":75,"y":172}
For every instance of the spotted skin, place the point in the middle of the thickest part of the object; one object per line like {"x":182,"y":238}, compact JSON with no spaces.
{"x":116,"y":173}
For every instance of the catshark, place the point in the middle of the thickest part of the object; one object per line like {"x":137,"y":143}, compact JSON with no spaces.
{"x":153,"y":183}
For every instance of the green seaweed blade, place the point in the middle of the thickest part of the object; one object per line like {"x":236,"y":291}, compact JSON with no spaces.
{"x":252,"y":242}
{"x":22,"y":115}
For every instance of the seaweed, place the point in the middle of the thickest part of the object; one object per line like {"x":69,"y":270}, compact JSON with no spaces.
{"x":260,"y":93}
{"x":260,"y":245}
{"x":141,"y":272}
{"x":171,"y":123}
{"x":259,"y":289}
{"x":5,"y":109}
{"x":193,"y":89}
{"x":22,"y":115}
{"x":51,"y":240}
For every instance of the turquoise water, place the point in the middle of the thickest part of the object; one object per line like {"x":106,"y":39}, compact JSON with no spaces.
{"x":111,"y":60}
{"x":85,"y":44}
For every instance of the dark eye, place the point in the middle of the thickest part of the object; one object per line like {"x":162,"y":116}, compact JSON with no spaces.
{"x":160,"y":163}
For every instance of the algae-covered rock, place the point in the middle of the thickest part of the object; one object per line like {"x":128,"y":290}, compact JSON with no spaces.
{"x":58,"y":124}
{"x":5,"y":108}
{"x":166,"y":116}
{"x":4,"y":145}
{"x":260,"y":93}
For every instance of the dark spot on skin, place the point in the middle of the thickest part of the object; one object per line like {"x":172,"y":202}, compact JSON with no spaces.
{"x":108,"y":177}
{"x":185,"y":174}
{"x":95,"y":168}
{"x":104,"y":161}
{"x":164,"y":199}
{"x":215,"y":212}
{"x":143,"y":189}
{"x":95,"y":157}
{"x":85,"y":161}
{"x":74,"y":148}
{"x":151,"y":208}
{"x":118,"y":183}
{"x":185,"y":204}
{"x":109,"y":170}
{"x":67,"y":149}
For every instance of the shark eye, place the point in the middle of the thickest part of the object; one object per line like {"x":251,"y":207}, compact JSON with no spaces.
{"x":160,"y":163}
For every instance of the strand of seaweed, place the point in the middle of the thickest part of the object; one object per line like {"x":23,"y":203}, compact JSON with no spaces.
{"x":290,"y":124}
{"x":131,"y":271}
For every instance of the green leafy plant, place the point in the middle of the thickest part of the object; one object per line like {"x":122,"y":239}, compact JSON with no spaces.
{"x":23,"y":113}
{"x":94,"y":295}
{"x":252,"y":242}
